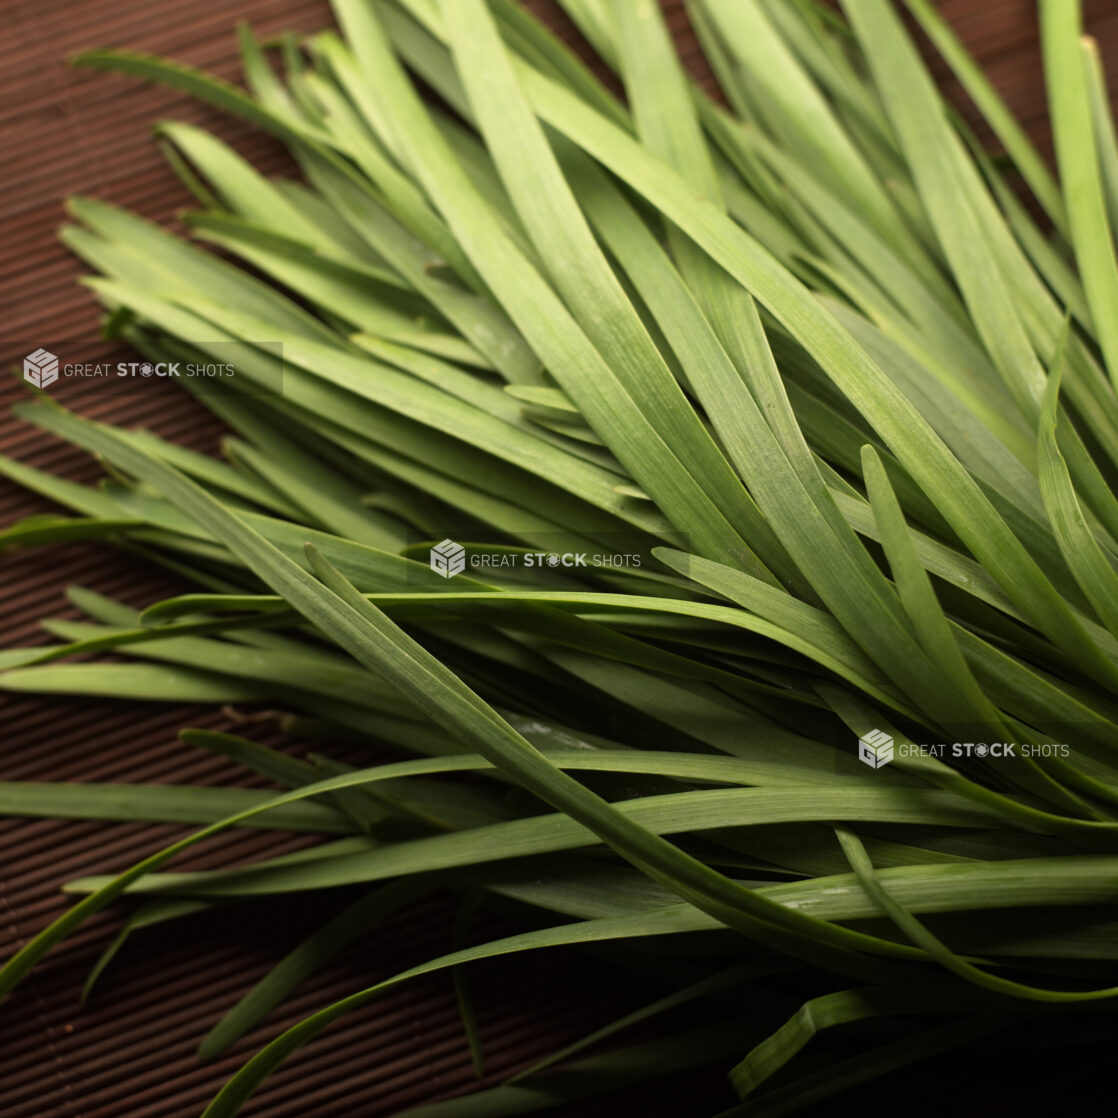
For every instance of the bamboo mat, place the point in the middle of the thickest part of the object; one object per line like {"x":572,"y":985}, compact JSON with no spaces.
{"x":129,"y":1052}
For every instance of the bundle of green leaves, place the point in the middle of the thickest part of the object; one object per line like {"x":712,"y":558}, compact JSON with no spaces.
{"x":829,"y":405}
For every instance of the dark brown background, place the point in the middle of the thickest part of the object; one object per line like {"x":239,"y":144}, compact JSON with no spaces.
{"x":130,"y":1052}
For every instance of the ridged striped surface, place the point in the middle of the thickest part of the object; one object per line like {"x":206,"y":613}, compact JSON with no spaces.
{"x":130,"y":1052}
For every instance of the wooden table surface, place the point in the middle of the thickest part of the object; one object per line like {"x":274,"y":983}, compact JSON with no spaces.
{"x":129,"y":1053}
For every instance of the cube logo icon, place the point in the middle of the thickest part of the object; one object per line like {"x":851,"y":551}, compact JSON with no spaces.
{"x":40,"y":368}
{"x":448,"y":559}
{"x":875,"y":749}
